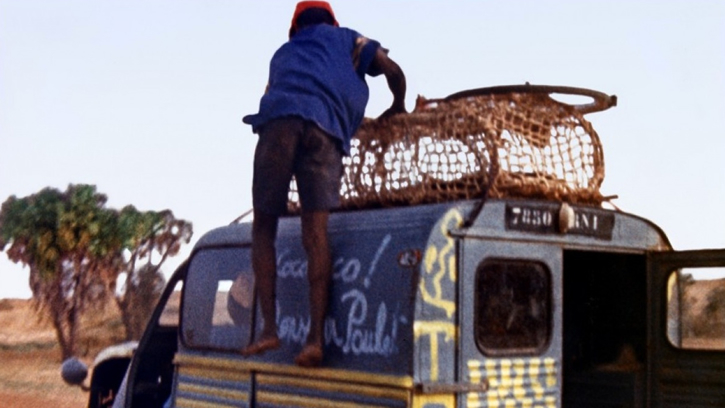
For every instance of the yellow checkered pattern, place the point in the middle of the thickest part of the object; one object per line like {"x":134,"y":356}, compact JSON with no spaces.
{"x":514,"y":383}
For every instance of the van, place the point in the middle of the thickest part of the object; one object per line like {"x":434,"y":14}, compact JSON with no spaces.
{"x":493,"y":302}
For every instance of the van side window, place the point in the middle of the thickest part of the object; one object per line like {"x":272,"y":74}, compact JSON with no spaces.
{"x":170,"y":315}
{"x":512,"y":307}
{"x":218,"y":300}
{"x":696,"y":308}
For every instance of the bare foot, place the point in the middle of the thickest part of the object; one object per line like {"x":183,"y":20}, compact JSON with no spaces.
{"x":261,"y":345}
{"x":310,"y":356}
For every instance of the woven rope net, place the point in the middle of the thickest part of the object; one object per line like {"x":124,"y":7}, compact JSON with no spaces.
{"x":499,"y":144}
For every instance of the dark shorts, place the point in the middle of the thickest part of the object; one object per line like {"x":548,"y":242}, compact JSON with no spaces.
{"x":292,"y":146}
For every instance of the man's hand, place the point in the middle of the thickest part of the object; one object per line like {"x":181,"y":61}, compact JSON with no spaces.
{"x":392,"y":111}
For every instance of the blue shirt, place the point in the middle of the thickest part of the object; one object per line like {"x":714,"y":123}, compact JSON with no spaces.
{"x":319,"y":75}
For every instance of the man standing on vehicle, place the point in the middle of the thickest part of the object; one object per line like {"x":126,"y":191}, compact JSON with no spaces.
{"x":314,"y":103}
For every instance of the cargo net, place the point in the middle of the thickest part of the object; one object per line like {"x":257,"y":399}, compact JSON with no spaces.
{"x":482,"y":143}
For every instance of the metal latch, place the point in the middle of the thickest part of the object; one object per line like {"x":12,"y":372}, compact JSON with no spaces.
{"x":442,"y":388}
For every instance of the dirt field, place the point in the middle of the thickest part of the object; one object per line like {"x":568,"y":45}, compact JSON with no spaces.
{"x":30,"y":377}
{"x":30,"y":359}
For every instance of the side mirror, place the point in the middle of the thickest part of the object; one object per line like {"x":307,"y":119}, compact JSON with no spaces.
{"x":74,"y":372}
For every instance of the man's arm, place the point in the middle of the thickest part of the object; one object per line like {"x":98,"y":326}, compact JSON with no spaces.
{"x":396,"y":81}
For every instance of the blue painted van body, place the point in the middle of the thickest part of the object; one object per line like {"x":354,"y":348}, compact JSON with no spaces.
{"x":526,"y":303}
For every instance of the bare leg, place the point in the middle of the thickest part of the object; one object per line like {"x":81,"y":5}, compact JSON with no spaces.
{"x":264,"y":263}
{"x":319,"y":273}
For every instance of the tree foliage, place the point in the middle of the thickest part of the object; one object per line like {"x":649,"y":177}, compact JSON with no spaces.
{"x":145,"y":234}
{"x":76,"y":248}
{"x":716,"y":303}
{"x":140,"y":294}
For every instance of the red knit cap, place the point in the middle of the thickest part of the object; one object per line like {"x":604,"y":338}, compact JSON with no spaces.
{"x":304,"y":5}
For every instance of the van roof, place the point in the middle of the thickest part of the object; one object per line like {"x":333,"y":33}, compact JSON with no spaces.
{"x":511,"y":219}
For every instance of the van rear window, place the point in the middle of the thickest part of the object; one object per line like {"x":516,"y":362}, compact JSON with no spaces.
{"x":696,"y":308}
{"x":218,"y":300}
{"x":512,"y":307}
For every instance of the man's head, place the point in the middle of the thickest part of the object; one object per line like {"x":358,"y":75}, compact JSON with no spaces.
{"x":309,"y":13}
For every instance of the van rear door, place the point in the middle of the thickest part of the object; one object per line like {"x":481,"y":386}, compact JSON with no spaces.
{"x":511,"y":322}
{"x":687,"y":329}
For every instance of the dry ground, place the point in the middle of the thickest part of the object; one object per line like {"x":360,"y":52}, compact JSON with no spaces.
{"x":30,"y":377}
{"x":30,"y":359}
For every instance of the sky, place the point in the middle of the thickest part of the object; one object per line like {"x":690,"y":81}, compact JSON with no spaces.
{"x":144,"y":98}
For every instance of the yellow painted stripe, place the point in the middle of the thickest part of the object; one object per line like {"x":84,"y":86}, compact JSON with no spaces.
{"x":306,"y":402}
{"x":534,"y":372}
{"x":214,"y":392}
{"x":427,"y":401}
{"x":221,"y":375}
{"x":188,"y":403}
{"x":493,"y":402}
{"x":212,"y":363}
{"x":550,"y":364}
{"x":473,"y":399}
{"x":335,"y":386}
{"x":505,"y":372}
{"x":512,"y":371}
{"x":432,"y":329}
